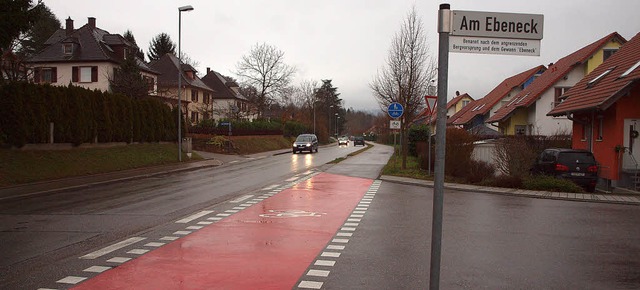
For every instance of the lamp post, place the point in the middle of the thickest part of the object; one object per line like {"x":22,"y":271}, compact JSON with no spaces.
{"x":337,"y":117}
{"x":180,"y":10}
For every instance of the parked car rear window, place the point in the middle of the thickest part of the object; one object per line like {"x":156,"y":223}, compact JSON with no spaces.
{"x":575,"y":157}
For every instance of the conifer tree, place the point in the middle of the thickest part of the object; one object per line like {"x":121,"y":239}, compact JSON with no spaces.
{"x":160,"y":45}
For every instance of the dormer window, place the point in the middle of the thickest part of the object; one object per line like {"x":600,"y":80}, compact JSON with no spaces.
{"x":67,"y":48}
{"x":606,"y":53}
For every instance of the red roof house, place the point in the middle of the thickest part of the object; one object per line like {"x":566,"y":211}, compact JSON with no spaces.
{"x":605,"y":109}
{"x":526,"y":113}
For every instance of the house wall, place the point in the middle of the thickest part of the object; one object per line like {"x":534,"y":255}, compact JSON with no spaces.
{"x":458,"y":106}
{"x":64,"y":72}
{"x":598,"y":58}
{"x":519,"y":117}
{"x":612,"y":134}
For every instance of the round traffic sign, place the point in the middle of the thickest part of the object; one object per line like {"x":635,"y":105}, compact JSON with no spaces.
{"x":395,"y":110}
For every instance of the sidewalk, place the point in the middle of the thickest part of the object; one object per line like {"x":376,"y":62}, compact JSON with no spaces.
{"x":584,"y":197}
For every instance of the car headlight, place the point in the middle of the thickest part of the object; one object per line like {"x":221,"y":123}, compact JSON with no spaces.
{"x":308,"y":144}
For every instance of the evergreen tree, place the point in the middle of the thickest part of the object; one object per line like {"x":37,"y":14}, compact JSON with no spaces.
{"x":127,"y":80}
{"x":33,"y":40}
{"x":160,"y":45}
{"x":128,"y":35}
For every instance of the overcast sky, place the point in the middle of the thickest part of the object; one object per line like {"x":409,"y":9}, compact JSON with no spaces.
{"x":347,"y":41}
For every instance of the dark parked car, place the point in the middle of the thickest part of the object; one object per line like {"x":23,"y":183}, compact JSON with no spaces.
{"x":576,"y":165}
{"x":358,"y":141}
{"x":305,"y":142}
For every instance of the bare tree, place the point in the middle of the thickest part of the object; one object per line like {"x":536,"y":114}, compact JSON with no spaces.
{"x":406,"y":75}
{"x":264,"y":69}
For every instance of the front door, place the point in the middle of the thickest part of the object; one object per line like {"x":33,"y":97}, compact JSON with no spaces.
{"x":631,"y":156}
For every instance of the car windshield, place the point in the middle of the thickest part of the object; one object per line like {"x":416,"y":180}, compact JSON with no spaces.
{"x":359,"y":138}
{"x":575,"y":157}
{"x":304,"y":139}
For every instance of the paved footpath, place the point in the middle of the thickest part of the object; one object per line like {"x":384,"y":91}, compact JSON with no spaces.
{"x":269,"y":244}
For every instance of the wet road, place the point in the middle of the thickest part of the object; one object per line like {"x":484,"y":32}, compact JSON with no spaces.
{"x":340,"y":229}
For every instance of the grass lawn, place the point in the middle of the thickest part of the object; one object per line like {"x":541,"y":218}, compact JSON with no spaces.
{"x":19,"y":167}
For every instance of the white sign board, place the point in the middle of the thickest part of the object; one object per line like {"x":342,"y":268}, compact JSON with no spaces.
{"x":498,"y":25}
{"x":395,"y":124}
{"x":486,"y":45}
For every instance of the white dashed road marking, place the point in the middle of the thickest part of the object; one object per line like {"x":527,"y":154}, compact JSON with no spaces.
{"x":109,"y":249}
{"x":194,"y":217}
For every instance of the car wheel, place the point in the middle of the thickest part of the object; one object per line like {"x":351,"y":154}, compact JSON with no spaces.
{"x":294,"y":151}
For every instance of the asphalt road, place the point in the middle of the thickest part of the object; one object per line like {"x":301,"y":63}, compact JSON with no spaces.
{"x":489,"y":241}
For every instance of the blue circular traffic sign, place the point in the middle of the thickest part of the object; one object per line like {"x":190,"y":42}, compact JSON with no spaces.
{"x":395,"y":110}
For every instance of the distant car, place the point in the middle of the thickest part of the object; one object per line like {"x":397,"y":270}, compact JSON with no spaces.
{"x":305,"y":142}
{"x":343,"y":141}
{"x":576,"y":165}
{"x":358,"y":141}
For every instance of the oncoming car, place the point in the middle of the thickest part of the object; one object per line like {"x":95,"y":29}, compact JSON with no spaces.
{"x":305,"y":142}
{"x":358,"y":141}
{"x":343,"y":141}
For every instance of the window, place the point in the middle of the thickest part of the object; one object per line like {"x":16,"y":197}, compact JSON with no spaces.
{"x":194,"y":96}
{"x":599,"y":129}
{"x":559,"y":91}
{"x":84,"y":74}
{"x":606,"y":53}
{"x":583,"y":133}
{"x":67,"y":48}
{"x":592,"y":82}
{"x":521,"y":129}
{"x":626,"y":73}
{"x":150,"y":83}
{"x":194,"y":117}
{"x":45,"y":75}
{"x":206,"y":98}
{"x":465,"y":103}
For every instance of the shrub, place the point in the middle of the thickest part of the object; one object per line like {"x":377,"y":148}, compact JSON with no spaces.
{"x":458,"y":148}
{"x":479,"y":171}
{"x":504,"y":181}
{"x":514,"y":156}
{"x":417,"y":133}
{"x":550,"y":183}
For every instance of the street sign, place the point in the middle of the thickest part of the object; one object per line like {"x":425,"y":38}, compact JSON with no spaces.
{"x":431,"y":103}
{"x":395,"y":110}
{"x":498,"y":25}
{"x":395,"y":124}
{"x":224,"y":124}
{"x":496,"y":33}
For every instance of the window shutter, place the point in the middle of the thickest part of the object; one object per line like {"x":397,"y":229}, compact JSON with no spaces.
{"x":54,"y":74}
{"x":94,"y":73}
{"x":36,"y":75}
{"x":74,"y":74}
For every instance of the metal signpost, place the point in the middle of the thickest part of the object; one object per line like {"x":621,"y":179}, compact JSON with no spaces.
{"x":395,"y":111}
{"x":474,"y":32}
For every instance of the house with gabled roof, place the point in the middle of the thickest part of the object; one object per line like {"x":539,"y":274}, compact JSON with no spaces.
{"x":195,"y":96}
{"x":526,"y":113}
{"x":605,"y":111}
{"x":482,"y":109}
{"x":457,"y":103}
{"x":228,"y":102}
{"x":85,"y":57}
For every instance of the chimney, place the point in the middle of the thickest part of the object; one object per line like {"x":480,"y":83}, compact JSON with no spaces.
{"x":208,"y":70}
{"x":92,"y":22}
{"x":457,"y":93}
{"x":69,"y":26}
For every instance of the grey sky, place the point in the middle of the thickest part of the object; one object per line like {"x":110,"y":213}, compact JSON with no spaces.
{"x":347,"y":41}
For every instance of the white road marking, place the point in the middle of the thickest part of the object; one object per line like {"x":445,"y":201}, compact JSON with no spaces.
{"x":356,"y":216}
{"x":71,"y":280}
{"x":223,"y":214}
{"x":138,"y":251}
{"x":361,"y":208}
{"x":359,"y":211}
{"x":344,"y":234}
{"x":194,"y":227}
{"x":330,"y":254}
{"x":340,"y":241}
{"x":349,"y":229}
{"x":169,"y":238}
{"x":154,"y":244}
{"x":119,"y":260}
{"x":214,"y":218}
{"x":194,"y":216}
{"x":318,"y":273}
{"x":182,"y":233}
{"x":241,"y":199}
{"x":205,"y":223}
{"x":335,"y":247}
{"x":239,"y":207}
{"x":96,"y":269}
{"x":246,"y":204}
{"x":354,"y":220}
{"x":231,"y":211}
{"x":351,"y":224}
{"x":364,"y":205}
{"x":310,"y":285}
{"x":325,"y":263}
{"x":109,"y":249}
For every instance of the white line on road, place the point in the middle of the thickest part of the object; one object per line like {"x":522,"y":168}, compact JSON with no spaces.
{"x":241,"y":199}
{"x":109,"y":249}
{"x":194,"y":216}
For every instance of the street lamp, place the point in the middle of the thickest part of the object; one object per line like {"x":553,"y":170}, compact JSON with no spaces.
{"x":337,"y":117}
{"x":180,"y":10}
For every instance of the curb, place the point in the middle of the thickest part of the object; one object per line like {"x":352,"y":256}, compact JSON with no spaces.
{"x":512,"y":192}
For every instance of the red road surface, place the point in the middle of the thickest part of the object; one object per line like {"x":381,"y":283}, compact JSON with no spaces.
{"x":246,"y":250}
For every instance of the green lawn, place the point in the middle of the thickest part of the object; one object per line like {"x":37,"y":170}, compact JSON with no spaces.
{"x":20,"y":166}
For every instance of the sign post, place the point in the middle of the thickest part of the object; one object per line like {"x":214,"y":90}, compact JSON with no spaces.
{"x":395,"y":111}
{"x":473,"y":32}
